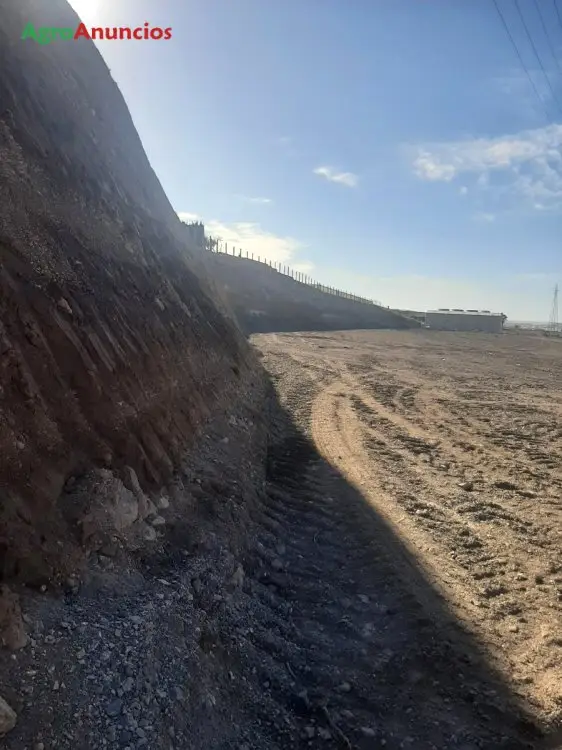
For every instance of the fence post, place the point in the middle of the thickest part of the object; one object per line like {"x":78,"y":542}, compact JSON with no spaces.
{"x":246,"y":253}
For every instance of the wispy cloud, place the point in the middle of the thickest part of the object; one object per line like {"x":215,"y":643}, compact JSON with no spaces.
{"x":341,"y":178}
{"x":250,"y":237}
{"x":258,"y":200}
{"x":527,"y":164}
{"x":261,"y":201}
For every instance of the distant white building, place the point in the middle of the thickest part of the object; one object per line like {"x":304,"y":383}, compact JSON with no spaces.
{"x":465,"y":320}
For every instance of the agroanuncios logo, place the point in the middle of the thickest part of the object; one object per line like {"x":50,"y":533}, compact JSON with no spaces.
{"x":49,"y":34}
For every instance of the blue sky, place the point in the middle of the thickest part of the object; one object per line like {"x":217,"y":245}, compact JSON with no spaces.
{"x":391,"y":147}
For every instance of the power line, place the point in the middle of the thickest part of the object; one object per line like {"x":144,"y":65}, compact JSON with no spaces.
{"x":557,"y":13}
{"x":521,"y":60}
{"x":531,"y":42}
{"x":547,"y":33}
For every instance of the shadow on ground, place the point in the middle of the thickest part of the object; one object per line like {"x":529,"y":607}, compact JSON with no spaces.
{"x":337,"y":638}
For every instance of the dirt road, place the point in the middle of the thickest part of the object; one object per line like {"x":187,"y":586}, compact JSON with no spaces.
{"x":454,"y":442}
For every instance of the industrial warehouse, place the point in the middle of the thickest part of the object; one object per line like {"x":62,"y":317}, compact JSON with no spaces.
{"x":465,"y":320}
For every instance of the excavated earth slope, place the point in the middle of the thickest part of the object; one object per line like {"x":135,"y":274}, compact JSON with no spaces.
{"x":112,"y":351}
{"x":264,"y":300}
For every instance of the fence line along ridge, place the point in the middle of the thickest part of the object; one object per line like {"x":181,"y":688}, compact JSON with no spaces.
{"x":217,"y":246}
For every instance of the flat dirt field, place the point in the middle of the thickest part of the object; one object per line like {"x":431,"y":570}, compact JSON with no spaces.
{"x":454,"y":443}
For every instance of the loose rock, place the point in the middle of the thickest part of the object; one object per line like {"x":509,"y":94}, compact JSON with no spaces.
{"x":8,"y":717}
{"x":12,"y":629}
{"x":114,"y":707}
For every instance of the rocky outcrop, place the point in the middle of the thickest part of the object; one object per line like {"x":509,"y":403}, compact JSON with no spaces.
{"x":263,"y":300}
{"x":112,"y":349}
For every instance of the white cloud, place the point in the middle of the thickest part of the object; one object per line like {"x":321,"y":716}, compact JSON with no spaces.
{"x":189,"y":217}
{"x":253,"y":239}
{"x":342,"y":178}
{"x":258,"y":200}
{"x":428,"y":167}
{"x":527,"y":165}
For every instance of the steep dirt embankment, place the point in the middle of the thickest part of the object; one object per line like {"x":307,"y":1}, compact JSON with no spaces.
{"x":112,"y":351}
{"x":264,"y":300}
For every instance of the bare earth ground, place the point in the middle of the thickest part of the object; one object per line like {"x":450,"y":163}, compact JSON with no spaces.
{"x":339,"y":589}
{"x":456,"y":440}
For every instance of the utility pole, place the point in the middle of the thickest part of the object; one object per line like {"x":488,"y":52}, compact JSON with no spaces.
{"x":553,"y":320}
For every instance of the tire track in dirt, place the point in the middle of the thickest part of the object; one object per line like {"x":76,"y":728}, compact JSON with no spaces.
{"x":409,"y":432}
{"x":335,"y":611}
{"x":495,"y":544}
{"x":475,"y":564}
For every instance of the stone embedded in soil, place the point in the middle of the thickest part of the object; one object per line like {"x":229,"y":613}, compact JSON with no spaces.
{"x":8,"y":717}
{"x":504,"y":484}
{"x":63,"y":305}
{"x":467,"y":486}
{"x":237,"y":579}
{"x":163,"y":502}
{"x":131,"y":481}
{"x":146,"y":507}
{"x":114,"y":707}
{"x":12,"y":629}
{"x":103,"y":505}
